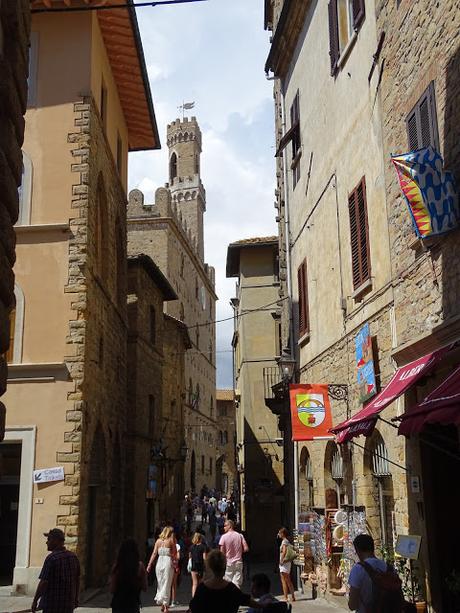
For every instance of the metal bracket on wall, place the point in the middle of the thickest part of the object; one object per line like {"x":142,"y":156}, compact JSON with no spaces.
{"x":338,"y":391}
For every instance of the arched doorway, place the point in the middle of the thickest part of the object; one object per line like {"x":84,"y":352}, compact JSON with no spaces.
{"x":193,"y":472}
{"x":96,"y":523}
{"x":115,"y":503}
{"x":307,"y":497}
{"x":380,"y":498}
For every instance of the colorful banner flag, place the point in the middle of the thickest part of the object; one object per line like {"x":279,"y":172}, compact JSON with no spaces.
{"x":429,"y":190}
{"x":365,"y":364}
{"x":310,"y":412}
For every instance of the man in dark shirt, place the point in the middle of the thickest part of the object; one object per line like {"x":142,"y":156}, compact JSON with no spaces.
{"x":59,"y":577}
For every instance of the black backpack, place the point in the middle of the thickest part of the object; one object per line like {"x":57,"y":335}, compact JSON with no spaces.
{"x":387,"y":596}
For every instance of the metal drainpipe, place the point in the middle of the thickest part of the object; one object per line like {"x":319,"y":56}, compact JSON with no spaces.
{"x":287,"y":236}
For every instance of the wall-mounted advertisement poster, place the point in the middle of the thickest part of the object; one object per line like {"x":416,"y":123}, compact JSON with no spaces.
{"x":365,"y":364}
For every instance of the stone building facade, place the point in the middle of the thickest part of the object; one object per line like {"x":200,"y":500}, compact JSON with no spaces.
{"x":377,"y":63}
{"x":426,"y":275}
{"x":256,"y":346}
{"x":67,"y":371}
{"x":170,"y":231}
{"x":14,"y":29}
{"x":226,"y":473}
{"x":157,"y":344}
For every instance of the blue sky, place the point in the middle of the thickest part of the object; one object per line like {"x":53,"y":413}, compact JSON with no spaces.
{"x":214,"y":52}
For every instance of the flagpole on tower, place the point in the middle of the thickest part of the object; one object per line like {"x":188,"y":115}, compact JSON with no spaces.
{"x":186,"y":106}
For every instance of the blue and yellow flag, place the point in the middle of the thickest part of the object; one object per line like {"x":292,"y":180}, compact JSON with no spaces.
{"x":429,"y":190}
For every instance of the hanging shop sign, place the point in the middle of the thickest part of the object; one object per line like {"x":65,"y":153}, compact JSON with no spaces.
{"x":310,"y":412}
{"x":365,"y":364}
{"x":408,"y":546}
{"x":46,"y":475}
{"x":429,"y":190}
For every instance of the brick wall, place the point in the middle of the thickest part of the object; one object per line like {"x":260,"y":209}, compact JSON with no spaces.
{"x":15,"y":30}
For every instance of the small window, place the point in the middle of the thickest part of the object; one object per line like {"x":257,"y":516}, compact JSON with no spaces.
{"x":345,"y":18}
{"x":198,"y":337}
{"x":422,"y":123}
{"x":172,"y":167}
{"x":302,"y":285}
{"x":119,"y":154}
{"x":359,"y":235}
{"x":202,"y":464}
{"x":197,"y":163}
{"x":152,"y":325}
{"x":197,"y":289}
{"x":210,"y":466}
{"x":151,"y":416}
{"x":190,"y":392}
{"x":295,"y":140}
{"x":101,"y":242}
{"x":12,"y":322}
{"x":225,"y":437}
{"x":211,"y":407}
{"x":182,"y":265}
{"x":103,"y":104}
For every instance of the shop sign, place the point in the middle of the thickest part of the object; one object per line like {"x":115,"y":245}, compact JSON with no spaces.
{"x":408,"y":546}
{"x":365,"y":364}
{"x":49,"y":474}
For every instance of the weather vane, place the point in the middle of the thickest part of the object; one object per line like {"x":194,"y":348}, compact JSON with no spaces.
{"x":186,"y":106}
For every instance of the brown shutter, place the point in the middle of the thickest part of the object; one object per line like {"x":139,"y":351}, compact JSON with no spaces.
{"x":334,"y":50}
{"x":304,"y":320}
{"x":359,"y":12}
{"x":422,"y":123}
{"x":359,"y":235}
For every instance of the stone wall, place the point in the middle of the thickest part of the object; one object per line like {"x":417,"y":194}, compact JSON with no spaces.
{"x":97,"y":349}
{"x":14,"y":33}
{"x":427,"y":281}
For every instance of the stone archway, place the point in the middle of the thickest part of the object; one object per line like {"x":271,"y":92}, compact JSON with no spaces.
{"x":115,"y":503}
{"x":96,"y":519}
{"x":379,"y":493}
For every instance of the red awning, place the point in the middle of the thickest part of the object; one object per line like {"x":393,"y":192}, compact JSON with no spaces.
{"x":364,"y":421}
{"x":442,"y":406}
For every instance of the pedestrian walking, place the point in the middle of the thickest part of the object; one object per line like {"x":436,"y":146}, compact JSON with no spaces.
{"x":374,"y":585}
{"x":176,"y":575}
{"x":212,"y":520}
{"x":233,"y":545}
{"x":57,"y":591}
{"x":216,"y":594}
{"x":188,"y":513}
{"x":286,"y":557}
{"x":165,"y":550}
{"x":198,"y":552}
{"x":127,"y":579}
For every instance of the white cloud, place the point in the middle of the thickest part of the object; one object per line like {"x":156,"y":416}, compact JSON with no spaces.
{"x":214,"y":53}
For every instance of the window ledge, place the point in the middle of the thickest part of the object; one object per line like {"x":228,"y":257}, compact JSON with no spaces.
{"x":296,"y":160}
{"x":45,"y":227}
{"x":347,"y":50}
{"x":304,"y":339}
{"x":361,"y":290}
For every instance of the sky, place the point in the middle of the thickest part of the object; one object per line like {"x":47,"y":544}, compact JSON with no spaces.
{"x":213,"y":53}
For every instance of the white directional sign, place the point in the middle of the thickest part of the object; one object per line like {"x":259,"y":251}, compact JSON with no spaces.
{"x":49,"y":474}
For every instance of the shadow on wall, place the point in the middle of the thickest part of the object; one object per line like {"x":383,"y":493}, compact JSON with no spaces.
{"x":451,"y":140}
{"x":263,"y":495}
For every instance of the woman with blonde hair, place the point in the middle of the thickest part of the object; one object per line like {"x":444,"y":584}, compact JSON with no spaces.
{"x":197,"y":555}
{"x":285,"y":564}
{"x":216,"y":594}
{"x":166,"y":551}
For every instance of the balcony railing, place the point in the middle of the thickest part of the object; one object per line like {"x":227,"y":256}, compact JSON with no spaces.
{"x":271,"y":378}
{"x":275,"y":391}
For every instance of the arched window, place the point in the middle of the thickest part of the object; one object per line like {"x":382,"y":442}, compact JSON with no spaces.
{"x":25,"y":191}
{"x":197,"y":397}
{"x":190,"y":392}
{"x":14,"y":353}
{"x":121,"y":264}
{"x":211,"y":407}
{"x":102,"y":256}
{"x":197,"y":163}
{"x":173,"y":167}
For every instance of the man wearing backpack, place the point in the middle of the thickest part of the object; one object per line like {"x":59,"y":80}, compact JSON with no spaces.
{"x":374,"y":585}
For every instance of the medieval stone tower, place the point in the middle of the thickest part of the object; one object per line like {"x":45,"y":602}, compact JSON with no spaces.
{"x":187,"y":191}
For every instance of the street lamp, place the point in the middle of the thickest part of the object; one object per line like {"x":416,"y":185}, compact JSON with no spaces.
{"x":286,"y":365}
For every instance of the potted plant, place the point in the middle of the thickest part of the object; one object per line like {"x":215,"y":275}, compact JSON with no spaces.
{"x":411,"y":587}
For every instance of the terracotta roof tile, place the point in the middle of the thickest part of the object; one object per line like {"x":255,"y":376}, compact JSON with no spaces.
{"x":224,"y":394}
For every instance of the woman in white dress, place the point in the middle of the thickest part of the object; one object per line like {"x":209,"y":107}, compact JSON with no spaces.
{"x":285,"y":566}
{"x":165,"y":550}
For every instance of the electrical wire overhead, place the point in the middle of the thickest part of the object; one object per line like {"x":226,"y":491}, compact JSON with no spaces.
{"x":108,"y":7}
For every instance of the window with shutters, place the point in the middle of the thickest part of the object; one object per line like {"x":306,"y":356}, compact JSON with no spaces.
{"x":359,"y":235}
{"x":295,"y":140}
{"x":10,"y":353}
{"x":422,"y":123}
{"x":302,"y":284}
{"x":345,"y":18}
